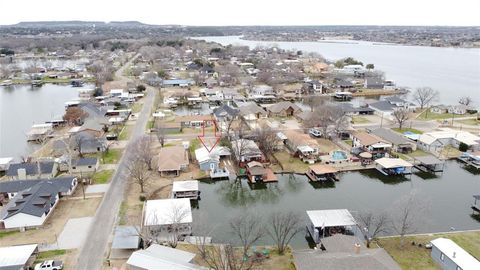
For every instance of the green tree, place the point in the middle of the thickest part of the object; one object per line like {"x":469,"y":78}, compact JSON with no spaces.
{"x":370,"y":66}
{"x":463,"y":147}
{"x":141,"y":88}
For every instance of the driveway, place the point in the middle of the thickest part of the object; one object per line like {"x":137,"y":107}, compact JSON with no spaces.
{"x":74,"y":233}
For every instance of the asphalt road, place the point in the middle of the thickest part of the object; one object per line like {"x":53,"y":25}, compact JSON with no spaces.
{"x":93,"y":252}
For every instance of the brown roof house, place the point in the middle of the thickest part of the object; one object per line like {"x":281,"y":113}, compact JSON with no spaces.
{"x":283,"y":109}
{"x":172,"y":159}
{"x":365,"y":142}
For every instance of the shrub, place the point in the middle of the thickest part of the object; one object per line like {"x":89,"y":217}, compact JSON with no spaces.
{"x":463,"y":147}
{"x":142,"y":198}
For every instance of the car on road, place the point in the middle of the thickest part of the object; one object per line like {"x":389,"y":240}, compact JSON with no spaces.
{"x":315,"y":132}
{"x":49,"y":265}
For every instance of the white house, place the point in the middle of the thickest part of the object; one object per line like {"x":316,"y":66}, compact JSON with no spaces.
{"x":435,"y":141}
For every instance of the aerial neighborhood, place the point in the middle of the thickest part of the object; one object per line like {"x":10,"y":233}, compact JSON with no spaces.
{"x":178,"y":153}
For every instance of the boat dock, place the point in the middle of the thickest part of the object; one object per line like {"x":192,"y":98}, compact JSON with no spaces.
{"x":475,"y":206}
{"x":319,"y":172}
{"x":393,"y":166}
{"x":429,"y":164}
{"x":471,"y":159}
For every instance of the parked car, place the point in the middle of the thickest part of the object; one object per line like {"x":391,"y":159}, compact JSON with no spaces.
{"x":49,"y":265}
{"x":315,"y":132}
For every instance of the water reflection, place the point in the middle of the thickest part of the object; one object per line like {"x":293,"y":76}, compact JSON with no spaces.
{"x":239,"y":193}
{"x":386,"y":179}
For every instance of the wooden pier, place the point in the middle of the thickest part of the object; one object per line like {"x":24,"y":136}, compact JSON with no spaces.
{"x":319,"y":172}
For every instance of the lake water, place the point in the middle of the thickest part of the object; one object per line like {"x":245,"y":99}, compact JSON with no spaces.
{"x":454,"y":72}
{"x":448,"y":198}
{"x":21,"y":106}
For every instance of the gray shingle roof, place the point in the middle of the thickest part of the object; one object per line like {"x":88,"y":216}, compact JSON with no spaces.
{"x":36,"y":200}
{"x":280,"y":106}
{"x":391,"y":136}
{"x":31,"y":168}
{"x":84,"y":162}
{"x":63,"y":183}
{"x":225,"y":110}
{"x":382,"y":105}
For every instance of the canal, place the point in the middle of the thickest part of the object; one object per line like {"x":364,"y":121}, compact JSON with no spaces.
{"x":448,"y":198}
{"x":21,"y":106}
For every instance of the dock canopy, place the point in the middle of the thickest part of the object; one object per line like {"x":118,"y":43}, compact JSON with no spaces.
{"x":182,"y":186}
{"x":16,"y":257}
{"x":331,"y":218}
{"x":390,"y":163}
{"x":323,"y":169}
{"x":428,"y":160}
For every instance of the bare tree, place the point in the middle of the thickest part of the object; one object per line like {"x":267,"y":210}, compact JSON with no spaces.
{"x":339,"y":118}
{"x":410,"y":211}
{"x":465,"y":100}
{"x":248,"y":228}
{"x":160,"y":132}
{"x":424,"y":96}
{"x":283,"y":227}
{"x":142,"y":149}
{"x":374,"y":224}
{"x":401,"y":115}
{"x":76,"y":143}
{"x":138,"y":173}
{"x":267,"y":139}
{"x":313,"y":101}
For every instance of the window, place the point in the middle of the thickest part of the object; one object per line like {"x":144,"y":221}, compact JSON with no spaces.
{"x":442,"y":257}
{"x":89,"y":166}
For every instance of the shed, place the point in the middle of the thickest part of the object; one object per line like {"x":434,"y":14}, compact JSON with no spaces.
{"x":17,"y":257}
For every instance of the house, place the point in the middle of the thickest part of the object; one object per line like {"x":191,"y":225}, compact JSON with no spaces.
{"x":450,"y":256}
{"x":32,"y":170}
{"x":9,"y":189}
{"x":5,"y":163}
{"x":302,"y":145}
{"x":30,"y":208}
{"x":86,"y":143}
{"x":185,"y":189}
{"x":192,"y":121}
{"x":173,"y":159}
{"x":349,"y":109}
{"x":84,"y":166}
{"x":458,"y":109}
{"x":262,"y":93}
{"x":364,"y":142}
{"x":159,"y":216}
{"x":116,"y":92}
{"x":214,"y":95}
{"x":439,"y":109}
{"x":386,"y":107}
{"x":399,"y":142}
{"x":435,"y":141}
{"x":210,"y":160}
{"x":374,"y":83}
{"x":39,"y":132}
{"x":283,"y":109}
{"x":246,"y":150}
{"x":343,"y":84}
{"x":19,"y":257}
{"x":94,"y":127}
{"x":177,"y":83}
{"x":231,"y":94}
{"x":250,"y":111}
{"x":162,"y":257}
{"x":344,"y":252}
{"x":224,"y":115}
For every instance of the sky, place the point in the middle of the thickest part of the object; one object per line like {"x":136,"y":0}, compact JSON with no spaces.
{"x":249,"y":12}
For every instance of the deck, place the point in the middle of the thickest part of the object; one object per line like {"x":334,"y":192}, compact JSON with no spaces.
{"x":428,"y":164}
{"x":220,"y":173}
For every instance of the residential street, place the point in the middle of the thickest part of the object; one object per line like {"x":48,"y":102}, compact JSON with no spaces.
{"x":93,"y":252}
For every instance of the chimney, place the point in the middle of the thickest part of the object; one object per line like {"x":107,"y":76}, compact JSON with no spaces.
{"x":22,"y":174}
{"x":454,"y":254}
{"x":357,"y":248}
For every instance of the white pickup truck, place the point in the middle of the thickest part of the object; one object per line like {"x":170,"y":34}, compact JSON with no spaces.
{"x":49,"y":265}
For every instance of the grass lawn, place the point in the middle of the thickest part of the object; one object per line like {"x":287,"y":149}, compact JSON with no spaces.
{"x":150,"y":124}
{"x":291,"y":164}
{"x":418,"y":153}
{"x":402,"y":156}
{"x":112,"y":156}
{"x":194,"y":144}
{"x":433,"y":116}
{"x":125,"y":133}
{"x":45,"y":255}
{"x":470,"y":122}
{"x":414,"y":257}
{"x":413,"y":130}
{"x":348,"y":142}
{"x":360,"y":120}
{"x":137,"y":107}
{"x":450,"y":152}
{"x":3,"y":234}
{"x":102,"y":177}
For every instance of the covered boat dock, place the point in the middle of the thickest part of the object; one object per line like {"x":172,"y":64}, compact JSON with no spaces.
{"x":429,"y":163}
{"x":320,"y":172}
{"x":471,"y":159}
{"x":324,"y":223}
{"x":393,"y":166}
{"x":475,"y":206}
{"x":186,"y":189}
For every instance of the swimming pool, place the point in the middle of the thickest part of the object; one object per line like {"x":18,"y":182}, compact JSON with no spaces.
{"x":339,"y":155}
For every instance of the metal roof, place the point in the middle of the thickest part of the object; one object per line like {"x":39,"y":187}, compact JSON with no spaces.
{"x":167,"y":211}
{"x":125,"y":237}
{"x":457,"y":254}
{"x":185,"y":185}
{"x":160,"y":257}
{"x":15,"y":256}
{"x":331,"y":217}
{"x":429,"y":160}
{"x":389,"y":163}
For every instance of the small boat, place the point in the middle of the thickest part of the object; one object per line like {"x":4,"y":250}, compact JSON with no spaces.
{"x":6,"y":83}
